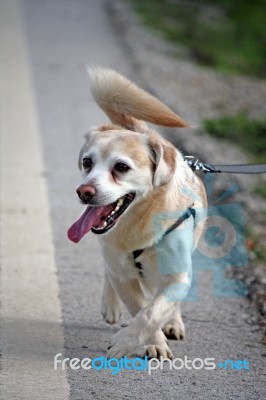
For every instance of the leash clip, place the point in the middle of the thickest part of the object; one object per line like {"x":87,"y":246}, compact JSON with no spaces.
{"x":196,"y":165}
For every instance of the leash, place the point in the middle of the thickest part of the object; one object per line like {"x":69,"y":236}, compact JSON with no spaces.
{"x":197,"y":165}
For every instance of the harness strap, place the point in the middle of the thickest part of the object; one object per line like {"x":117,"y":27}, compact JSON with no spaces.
{"x":190,"y":211}
{"x":136,"y":254}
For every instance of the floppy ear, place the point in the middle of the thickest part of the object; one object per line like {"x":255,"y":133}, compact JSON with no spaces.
{"x":163,"y":155}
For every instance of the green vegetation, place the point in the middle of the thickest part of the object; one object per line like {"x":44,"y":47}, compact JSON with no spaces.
{"x":227,"y":34}
{"x":261,"y":191}
{"x":255,"y":246}
{"x":251,"y":136}
{"x":247,"y":133}
{"x":260,"y":252}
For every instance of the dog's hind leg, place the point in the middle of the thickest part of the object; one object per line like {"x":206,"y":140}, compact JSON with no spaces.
{"x":174,"y":328}
{"x":110,"y":307}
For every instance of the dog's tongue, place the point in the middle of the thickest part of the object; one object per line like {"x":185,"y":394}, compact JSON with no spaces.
{"x":84,"y":224}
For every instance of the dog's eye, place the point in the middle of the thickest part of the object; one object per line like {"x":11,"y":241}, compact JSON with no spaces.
{"x":87,"y":163}
{"x":121,"y":167}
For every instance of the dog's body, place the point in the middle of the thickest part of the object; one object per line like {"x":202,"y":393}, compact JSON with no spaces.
{"x":131,"y":178}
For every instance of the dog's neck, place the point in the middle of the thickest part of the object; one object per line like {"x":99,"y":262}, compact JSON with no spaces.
{"x":126,"y":237}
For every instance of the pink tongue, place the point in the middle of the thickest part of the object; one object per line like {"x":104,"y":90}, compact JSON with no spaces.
{"x":84,"y":224}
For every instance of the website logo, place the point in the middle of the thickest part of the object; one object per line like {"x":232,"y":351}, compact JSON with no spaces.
{"x":116,"y":365}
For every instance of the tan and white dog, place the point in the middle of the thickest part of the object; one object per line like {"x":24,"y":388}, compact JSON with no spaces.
{"x":131,"y":175}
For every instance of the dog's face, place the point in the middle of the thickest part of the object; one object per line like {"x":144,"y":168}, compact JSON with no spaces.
{"x":114,"y":164}
{"x":122,"y":163}
{"x":119,"y":167}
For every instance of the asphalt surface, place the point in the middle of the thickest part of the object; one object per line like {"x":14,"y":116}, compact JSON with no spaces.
{"x":62,"y":37}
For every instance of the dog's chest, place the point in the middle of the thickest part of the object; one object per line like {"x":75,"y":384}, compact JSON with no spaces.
{"x":125,"y":266}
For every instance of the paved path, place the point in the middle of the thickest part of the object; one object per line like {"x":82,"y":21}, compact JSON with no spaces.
{"x":46,"y":280}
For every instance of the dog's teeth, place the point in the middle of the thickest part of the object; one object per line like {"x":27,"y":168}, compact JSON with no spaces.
{"x":105,"y":224}
{"x":118,"y":205}
{"x":113,"y":212}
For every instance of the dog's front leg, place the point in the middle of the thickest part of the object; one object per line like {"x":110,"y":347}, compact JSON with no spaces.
{"x":110,"y":307}
{"x":144,"y":335}
{"x":119,"y":278}
{"x":130,"y":293}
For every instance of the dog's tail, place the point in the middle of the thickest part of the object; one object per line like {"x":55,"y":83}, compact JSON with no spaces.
{"x":121,"y":100}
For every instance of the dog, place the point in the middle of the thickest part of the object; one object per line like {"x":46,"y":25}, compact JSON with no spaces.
{"x":145,"y":204}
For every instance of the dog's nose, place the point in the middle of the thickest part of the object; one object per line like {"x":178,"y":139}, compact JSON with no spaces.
{"x":86,"y":192}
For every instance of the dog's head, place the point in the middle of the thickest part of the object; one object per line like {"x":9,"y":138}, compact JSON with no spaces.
{"x":122,"y":163}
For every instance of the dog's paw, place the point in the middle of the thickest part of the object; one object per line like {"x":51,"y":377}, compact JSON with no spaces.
{"x":123,"y":343}
{"x":155,"y":351}
{"x":110,"y":312}
{"x":129,"y":341}
{"x":174,"y":329}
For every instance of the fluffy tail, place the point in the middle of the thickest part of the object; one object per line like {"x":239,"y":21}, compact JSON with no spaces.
{"x":121,"y":99}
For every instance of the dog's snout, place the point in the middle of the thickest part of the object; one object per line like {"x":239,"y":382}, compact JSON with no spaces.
{"x":86,"y":192}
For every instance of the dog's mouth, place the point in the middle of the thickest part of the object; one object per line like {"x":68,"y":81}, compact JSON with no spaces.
{"x":99,"y":219}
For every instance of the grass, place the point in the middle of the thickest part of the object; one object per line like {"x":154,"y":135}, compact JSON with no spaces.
{"x":255,"y":246}
{"x":261,"y":191}
{"x":249,"y":134}
{"x":227,"y":34}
